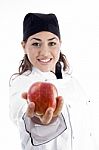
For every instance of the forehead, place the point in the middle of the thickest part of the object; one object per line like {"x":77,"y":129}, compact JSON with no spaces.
{"x":44,"y":35}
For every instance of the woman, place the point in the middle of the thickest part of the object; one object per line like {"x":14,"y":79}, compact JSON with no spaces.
{"x":68,"y":126}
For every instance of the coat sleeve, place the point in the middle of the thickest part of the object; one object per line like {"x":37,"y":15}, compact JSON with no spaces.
{"x":42,"y":134}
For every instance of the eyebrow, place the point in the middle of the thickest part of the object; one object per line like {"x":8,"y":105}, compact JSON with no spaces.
{"x":36,"y":39}
{"x":52,"y":39}
{"x":41,"y":40}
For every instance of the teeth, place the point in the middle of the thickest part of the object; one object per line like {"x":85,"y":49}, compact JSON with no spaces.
{"x":45,"y":60}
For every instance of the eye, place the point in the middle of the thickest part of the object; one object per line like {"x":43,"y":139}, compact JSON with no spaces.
{"x":36,"y":44}
{"x":52,"y":43}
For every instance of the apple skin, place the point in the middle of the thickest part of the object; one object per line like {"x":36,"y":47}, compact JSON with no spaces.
{"x":44,"y":95}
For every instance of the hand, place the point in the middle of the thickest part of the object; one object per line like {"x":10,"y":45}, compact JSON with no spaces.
{"x":49,"y":115}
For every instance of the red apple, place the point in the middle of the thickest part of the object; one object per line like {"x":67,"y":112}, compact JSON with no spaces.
{"x":44,"y":95}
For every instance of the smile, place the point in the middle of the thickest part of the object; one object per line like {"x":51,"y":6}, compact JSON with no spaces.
{"x":45,"y":60}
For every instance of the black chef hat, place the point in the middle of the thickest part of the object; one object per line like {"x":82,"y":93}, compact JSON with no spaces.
{"x":37,"y":22}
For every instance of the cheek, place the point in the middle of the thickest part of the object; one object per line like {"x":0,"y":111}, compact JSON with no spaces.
{"x":56,"y":55}
{"x":32,"y":57}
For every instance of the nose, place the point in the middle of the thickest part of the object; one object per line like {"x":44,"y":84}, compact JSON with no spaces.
{"x":44,"y":51}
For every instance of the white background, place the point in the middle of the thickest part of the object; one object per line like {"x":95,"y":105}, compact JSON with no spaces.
{"x":79,"y":25}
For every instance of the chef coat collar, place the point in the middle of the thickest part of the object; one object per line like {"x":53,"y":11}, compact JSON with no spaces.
{"x":46,"y":75}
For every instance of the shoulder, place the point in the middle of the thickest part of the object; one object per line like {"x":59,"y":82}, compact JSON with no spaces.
{"x":19,"y":83}
{"x":73,"y":85}
{"x":19,"y":79}
{"x":72,"y":79}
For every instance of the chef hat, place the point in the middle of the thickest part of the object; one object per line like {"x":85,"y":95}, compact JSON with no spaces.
{"x":37,"y":22}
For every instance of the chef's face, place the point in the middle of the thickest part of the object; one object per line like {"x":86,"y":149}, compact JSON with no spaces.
{"x":43,"y":50}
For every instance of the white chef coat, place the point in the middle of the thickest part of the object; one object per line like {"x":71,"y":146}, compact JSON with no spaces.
{"x":70,"y":131}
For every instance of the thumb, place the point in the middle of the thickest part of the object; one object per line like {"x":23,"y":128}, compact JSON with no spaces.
{"x":58,"y":106}
{"x":24,"y":95}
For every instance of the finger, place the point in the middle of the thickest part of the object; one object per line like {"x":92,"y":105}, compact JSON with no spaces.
{"x":24,"y":95}
{"x":46,"y":119}
{"x":59,"y":106}
{"x":30,"y":110}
